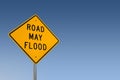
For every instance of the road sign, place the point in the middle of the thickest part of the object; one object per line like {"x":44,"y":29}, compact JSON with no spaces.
{"x":34,"y":38}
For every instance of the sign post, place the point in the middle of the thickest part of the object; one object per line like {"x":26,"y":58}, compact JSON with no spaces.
{"x":35,"y":39}
{"x":34,"y":71}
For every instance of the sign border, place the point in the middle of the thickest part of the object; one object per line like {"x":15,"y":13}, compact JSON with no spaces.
{"x":35,"y":15}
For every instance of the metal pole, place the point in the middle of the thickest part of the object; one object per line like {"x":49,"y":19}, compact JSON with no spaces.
{"x":34,"y":72}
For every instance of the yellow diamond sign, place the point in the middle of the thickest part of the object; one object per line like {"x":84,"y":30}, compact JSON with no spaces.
{"x":34,"y":38}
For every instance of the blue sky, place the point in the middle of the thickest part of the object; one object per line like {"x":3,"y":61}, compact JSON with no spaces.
{"x":88,"y":30}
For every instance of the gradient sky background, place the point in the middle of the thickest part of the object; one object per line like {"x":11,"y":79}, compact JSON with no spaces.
{"x":89,"y":33}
